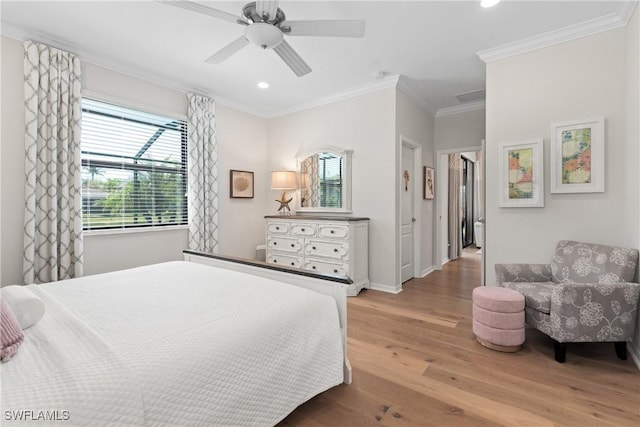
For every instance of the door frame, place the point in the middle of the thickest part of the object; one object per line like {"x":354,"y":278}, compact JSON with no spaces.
{"x":417,"y":209}
{"x":442,"y":175}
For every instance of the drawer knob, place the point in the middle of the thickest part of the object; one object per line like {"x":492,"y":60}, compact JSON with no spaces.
{"x":303,"y":230}
{"x":275,"y":261}
{"x":275,"y":243}
{"x":313,"y":267}
{"x":292,"y":245}
{"x":277,"y":228}
{"x":335,"y":250}
{"x":313,"y":247}
{"x":293,"y":263}
{"x":332,"y":232}
{"x":335,"y":270}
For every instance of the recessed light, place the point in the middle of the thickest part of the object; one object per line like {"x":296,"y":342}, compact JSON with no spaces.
{"x":263,"y":85}
{"x":489,"y":3}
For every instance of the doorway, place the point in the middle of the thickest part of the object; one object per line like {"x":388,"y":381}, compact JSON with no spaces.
{"x":410,"y":209}
{"x":470,"y":162}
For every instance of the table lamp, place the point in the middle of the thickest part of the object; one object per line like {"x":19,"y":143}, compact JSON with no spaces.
{"x":284,"y":180}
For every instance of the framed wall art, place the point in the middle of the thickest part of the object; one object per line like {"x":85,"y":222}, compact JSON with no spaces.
{"x":428,"y":182}
{"x":521,"y":174}
{"x":577,"y":156}
{"x":241,"y":183}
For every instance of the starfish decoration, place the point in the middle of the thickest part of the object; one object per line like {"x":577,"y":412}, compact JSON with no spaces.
{"x":284,"y":202}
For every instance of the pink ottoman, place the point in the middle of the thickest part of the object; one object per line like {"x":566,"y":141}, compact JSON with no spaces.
{"x":498,"y":318}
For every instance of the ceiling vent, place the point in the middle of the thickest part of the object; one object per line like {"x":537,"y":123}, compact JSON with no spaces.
{"x":476,"y":95}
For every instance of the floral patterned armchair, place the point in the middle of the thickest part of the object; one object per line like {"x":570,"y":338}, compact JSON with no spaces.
{"x":584,"y":295}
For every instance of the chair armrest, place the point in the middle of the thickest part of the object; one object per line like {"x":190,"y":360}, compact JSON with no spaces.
{"x":595,"y":311}
{"x":523,"y":273}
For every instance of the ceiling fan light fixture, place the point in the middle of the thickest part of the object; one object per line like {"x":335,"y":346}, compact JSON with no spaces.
{"x":489,"y":3}
{"x":266,"y":36}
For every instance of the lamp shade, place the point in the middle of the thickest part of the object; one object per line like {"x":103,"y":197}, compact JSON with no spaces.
{"x":283,"y":180}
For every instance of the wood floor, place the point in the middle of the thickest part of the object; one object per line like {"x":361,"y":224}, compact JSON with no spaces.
{"x":416,"y":363}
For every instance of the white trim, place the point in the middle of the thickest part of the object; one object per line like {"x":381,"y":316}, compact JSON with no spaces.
{"x":390,"y":289}
{"x":617,"y":19}
{"x":405,"y":86}
{"x":123,"y":102}
{"x":427,"y":271}
{"x":417,"y":206}
{"x":150,"y":229}
{"x":359,"y":90}
{"x":464,"y":108}
{"x":438,"y":202}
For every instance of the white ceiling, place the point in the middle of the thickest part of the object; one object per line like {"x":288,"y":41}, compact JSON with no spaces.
{"x":432,"y":44}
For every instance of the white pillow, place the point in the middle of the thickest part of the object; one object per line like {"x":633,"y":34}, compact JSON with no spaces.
{"x":27,"y":306}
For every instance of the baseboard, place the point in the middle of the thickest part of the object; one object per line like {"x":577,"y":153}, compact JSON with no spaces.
{"x":446,"y":260}
{"x":427,"y":271}
{"x":391,"y":289}
{"x":634,"y":351}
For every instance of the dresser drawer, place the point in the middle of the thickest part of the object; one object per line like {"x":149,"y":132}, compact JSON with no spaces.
{"x":327,"y":248}
{"x":333,"y":231}
{"x":285,"y":260}
{"x":323,"y":266}
{"x":306,"y":230}
{"x":285,"y":244}
{"x":277,"y":227}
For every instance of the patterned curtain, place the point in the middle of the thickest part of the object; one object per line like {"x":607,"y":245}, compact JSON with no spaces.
{"x":203,"y":174}
{"x":310,"y":167}
{"x":455,"y":206}
{"x":53,"y":191}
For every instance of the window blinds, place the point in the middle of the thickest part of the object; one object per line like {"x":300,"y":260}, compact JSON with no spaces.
{"x":134,"y":168}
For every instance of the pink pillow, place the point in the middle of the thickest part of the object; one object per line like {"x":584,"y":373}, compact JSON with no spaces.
{"x":11,"y":335}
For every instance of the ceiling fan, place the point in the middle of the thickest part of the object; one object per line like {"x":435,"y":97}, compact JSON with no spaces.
{"x":266,"y":25}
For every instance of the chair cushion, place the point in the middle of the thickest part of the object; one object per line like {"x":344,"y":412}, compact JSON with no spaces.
{"x":537,"y":295}
{"x":590,"y":263}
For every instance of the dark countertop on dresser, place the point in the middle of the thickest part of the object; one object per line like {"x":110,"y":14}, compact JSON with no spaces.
{"x":318,"y":218}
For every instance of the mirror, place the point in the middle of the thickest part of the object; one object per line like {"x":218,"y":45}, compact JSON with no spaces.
{"x":325,"y":180}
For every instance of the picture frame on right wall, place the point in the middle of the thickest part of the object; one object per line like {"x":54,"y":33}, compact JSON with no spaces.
{"x":577,"y":156}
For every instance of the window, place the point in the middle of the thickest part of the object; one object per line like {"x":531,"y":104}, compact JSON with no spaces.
{"x":134,"y":168}
{"x":330,"y":180}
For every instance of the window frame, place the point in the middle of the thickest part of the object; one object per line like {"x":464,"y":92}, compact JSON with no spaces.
{"x":181,"y":125}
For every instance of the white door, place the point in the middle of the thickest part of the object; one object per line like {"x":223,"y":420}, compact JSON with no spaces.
{"x":407,"y":215}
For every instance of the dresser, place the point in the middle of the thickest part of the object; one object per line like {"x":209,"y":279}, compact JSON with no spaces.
{"x":333,"y":245}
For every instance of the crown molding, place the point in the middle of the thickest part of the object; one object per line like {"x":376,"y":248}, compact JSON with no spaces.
{"x":463,"y":108}
{"x":618,"y":19}
{"x":406,"y":87}
{"x":374,"y":86}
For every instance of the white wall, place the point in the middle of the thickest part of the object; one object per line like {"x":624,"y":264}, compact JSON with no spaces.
{"x":241,"y":223}
{"x":415,"y":123}
{"x":12,"y":169}
{"x":632,"y":92}
{"x":242,"y":145}
{"x":461,"y":130}
{"x":365,"y":124}
{"x":578,"y":79}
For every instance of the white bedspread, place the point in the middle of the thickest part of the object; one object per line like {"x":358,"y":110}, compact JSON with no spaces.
{"x":173,"y":344}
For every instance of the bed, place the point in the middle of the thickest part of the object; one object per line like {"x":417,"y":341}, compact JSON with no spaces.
{"x":205,"y":341}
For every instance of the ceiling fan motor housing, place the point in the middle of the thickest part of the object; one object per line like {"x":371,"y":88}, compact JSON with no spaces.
{"x":266,"y":36}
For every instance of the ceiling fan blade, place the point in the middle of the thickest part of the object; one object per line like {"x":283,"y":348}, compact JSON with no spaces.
{"x":205,"y":10}
{"x":341,"y":28}
{"x":292,"y":59}
{"x":230,"y":49}
{"x":267,"y":7}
